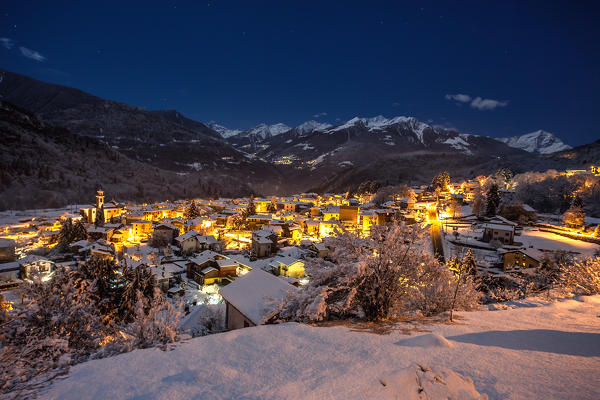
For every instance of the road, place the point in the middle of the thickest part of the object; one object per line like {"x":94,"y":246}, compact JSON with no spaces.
{"x":436,"y":235}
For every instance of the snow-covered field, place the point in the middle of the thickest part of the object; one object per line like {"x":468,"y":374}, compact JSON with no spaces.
{"x":525,"y":350}
{"x":550,"y":241}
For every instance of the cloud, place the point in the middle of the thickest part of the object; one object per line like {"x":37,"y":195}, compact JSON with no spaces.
{"x":487,"y":104}
{"x":319,"y":115}
{"x":7,"y":42}
{"x":463,"y":98}
{"x":34,"y":55}
{"x":477,"y":102}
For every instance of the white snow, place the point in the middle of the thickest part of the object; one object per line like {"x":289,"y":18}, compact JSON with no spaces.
{"x":459,"y":143}
{"x":252,"y":293}
{"x":550,"y":241}
{"x":196,"y":166}
{"x":304,"y":146}
{"x":265,"y":131}
{"x":380,"y":122}
{"x":529,"y":350}
{"x":311,"y":126}
{"x":224,"y":132}
{"x":536,"y":142}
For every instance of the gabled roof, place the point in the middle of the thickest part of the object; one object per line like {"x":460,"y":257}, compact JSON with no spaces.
{"x":226,"y":262}
{"x":253,"y":293}
{"x":205,"y":256}
{"x":500,"y":227}
{"x":186,"y":236}
{"x":165,"y":225}
{"x":207,"y":239}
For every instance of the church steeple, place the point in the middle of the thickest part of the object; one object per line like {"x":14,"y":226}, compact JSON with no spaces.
{"x":100,"y":199}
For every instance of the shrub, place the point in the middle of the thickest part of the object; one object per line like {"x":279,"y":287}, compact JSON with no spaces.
{"x":581,"y":277}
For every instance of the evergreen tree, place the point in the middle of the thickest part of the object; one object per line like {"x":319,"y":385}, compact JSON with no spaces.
{"x":99,"y":217}
{"x":192,"y":211}
{"x":140,"y":284}
{"x":441,"y":181}
{"x":251,"y":208}
{"x":492,"y":198}
{"x":574,"y":217}
{"x":469,"y":262}
{"x":65,"y":236}
{"x":108,"y":281}
{"x":79,"y":232}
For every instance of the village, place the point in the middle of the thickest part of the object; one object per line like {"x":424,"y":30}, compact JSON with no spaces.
{"x":197,"y":249}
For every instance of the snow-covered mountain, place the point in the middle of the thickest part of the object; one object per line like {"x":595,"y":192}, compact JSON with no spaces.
{"x":265,"y":131}
{"x":540,"y":141}
{"x":311,"y":126}
{"x":380,"y":123}
{"x":224,"y":132}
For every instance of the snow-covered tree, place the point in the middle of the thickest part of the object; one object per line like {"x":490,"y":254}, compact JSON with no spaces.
{"x":65,"y":236}
{"x":139,"y":286}
{"x":574,"y":217}
{"x":478,"y":205}
{"x":378,"y":277}
{"x":581,"y":277}
{"x":108,"y":283}
{"x":441,"y":181}
{"x":57,"y":324}
{"x":155,"y":321}
{"x":74,"y":316}
{"x":79,"y":232}
{"x":455,"y":207}
{"x":461,"y":267}
{"x":504,"y":175}
{"x":70,"y":233}
{"x":191,"y":212}
{"x":388,"y":193}
{"x":251,"y":208}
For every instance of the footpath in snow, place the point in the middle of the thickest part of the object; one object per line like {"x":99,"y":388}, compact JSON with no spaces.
{"x":523,"y":350}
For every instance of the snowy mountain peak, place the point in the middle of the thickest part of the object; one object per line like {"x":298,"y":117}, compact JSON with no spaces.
{"x":311,"y":126}
{"x":540,"y":141}
{"x":224,"y":132}
{"x":265,"y":131}
{"x":380,"y":123}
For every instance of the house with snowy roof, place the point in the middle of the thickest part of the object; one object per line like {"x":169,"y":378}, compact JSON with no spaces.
{"x":288,"y":266}
{"x":187,"y":242}
{"x":7,"y":250}
{"x":252,"y":297}
{"x":502,"y":232}
{"x":165,"y":232}
{"x":210,"y":267}
{"x":525,"y":258}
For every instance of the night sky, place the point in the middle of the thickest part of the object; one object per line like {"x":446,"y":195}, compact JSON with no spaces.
{"x":491,"y":68}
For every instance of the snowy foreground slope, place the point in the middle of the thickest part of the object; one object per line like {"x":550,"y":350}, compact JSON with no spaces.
{"x":524,"y":350}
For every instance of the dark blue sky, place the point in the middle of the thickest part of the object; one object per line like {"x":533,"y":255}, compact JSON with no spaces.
{"x":242,"y":63}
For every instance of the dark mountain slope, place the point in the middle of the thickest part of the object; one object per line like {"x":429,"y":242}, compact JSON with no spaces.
{"x":46,"y":166}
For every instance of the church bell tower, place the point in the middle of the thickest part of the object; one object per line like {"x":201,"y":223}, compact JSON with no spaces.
{"x":100,"y":199}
